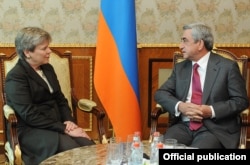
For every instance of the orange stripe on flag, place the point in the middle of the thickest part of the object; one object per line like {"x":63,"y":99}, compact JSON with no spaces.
{"x":112,"y":85}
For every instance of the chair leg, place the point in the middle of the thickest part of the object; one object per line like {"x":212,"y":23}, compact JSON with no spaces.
{"x":9,"y":154}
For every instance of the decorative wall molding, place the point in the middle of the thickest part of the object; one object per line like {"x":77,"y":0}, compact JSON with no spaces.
{"x":145,"y":45}
{"x":141,"y":45}
{"x":71,"y":45}
{"x":157,"y":21}
{"x":90,"y":59}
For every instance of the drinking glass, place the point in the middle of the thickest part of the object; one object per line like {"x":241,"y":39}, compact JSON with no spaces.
{"x":180,"y":146}
{"x":114,"y":151}
{"x":170,"y":143}
{"x":127,"y":149}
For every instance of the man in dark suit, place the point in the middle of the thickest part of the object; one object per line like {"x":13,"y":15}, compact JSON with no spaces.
{"x":45,"y":124}
{"x":223,"y":96}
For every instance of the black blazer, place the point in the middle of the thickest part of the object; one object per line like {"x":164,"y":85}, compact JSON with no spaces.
{"x":40,"y":114}
{"x":224,"y":89}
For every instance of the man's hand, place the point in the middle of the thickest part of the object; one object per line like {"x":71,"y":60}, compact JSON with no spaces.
{"x":192,"y":111}
{"x":195,"y":112}
{"x":206,"y":111}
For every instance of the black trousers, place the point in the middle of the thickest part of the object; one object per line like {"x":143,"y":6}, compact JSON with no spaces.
{"x":201,"y":138}
{"x":67,"y":142}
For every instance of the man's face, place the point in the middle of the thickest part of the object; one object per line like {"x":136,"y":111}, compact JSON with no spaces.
{"x":188,"y":46}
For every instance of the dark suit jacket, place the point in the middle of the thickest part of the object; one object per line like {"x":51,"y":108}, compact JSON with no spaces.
{"x":224,"y":89}
{"x":40,"y":114}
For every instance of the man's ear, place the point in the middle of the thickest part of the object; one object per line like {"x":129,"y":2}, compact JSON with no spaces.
{"x":201,"y":45}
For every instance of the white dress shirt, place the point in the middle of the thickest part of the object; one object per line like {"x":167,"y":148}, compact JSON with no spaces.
{"x":202,"y":72}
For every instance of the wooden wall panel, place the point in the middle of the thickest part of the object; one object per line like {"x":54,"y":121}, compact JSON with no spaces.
{"x":147,"y":57}
{"x":150,"y":60}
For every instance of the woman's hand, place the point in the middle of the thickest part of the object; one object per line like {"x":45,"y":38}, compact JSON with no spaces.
{"x":78,"y":132}
{"x":70,"y":126}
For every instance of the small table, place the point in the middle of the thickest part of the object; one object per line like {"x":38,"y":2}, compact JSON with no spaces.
{"x":87,"y":155}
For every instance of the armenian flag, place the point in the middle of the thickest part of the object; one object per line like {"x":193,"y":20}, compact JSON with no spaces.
{"x":116,"y":66}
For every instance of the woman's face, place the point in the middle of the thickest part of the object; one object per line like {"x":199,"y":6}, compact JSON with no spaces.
{"x":39,"y":56}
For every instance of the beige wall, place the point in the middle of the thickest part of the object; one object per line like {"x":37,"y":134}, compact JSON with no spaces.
{"x":74,"y":22}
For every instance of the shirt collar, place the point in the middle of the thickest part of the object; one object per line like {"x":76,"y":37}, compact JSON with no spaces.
{"x":203,"y":61}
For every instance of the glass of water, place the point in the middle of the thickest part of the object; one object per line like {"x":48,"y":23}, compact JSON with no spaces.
{"x":114,"y":151}
{"x":170,"y":143}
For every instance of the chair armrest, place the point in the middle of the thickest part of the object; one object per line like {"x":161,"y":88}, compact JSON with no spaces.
{"x":156,"y":112}
{"x":8,"y":111}
{"x":244,"y":125}
{"x":12,"y":148}
{"x":86,"y":105}
{"x":90,"y":106}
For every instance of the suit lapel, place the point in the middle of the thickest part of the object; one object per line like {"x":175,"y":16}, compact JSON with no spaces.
{"x":188,"y":78}
{"x":50,"y":77}
{"x":185,"y":77}
{"x":33,"y":75}
{"x":211,"y":76}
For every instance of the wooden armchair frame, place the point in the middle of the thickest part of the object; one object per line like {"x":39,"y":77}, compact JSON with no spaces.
{"x":242,"y":62}
{"x":60,"y":62}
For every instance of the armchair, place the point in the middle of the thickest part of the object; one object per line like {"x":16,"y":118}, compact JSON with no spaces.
{"x":62,"y":64}
{"x":242,"y":62}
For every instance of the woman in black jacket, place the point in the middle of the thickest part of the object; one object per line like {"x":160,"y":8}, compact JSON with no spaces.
{"x":45,"y":124}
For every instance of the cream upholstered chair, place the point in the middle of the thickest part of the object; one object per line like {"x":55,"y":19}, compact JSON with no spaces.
{"x":242,"y":62}
{"x":62,"y":64}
